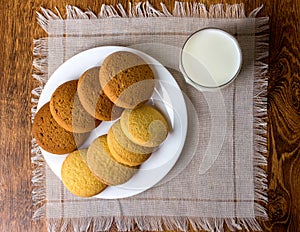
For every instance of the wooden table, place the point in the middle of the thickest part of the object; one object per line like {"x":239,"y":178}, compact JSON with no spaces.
{"x":18,"y":29}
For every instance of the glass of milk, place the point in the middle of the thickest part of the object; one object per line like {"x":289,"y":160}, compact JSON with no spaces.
{"x":210,"y":58}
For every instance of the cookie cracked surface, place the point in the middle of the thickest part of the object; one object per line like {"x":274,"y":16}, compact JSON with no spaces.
{"x":126,"y":79}
{"x":123,"y":149}
{"x":93,"y":98}
{"x":68,"y":111}
{"x":51,"y":136}
{"x":78,"y":178}
{"x":144,"y":125}
{"x":104,"y":166}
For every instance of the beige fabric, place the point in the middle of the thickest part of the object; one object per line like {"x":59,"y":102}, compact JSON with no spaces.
{"x":229,"y":189}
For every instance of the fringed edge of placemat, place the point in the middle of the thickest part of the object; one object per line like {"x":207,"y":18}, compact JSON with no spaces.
{"x":151,"y":223}
{"x":260,"y":100}
{"x":38,"y":179}
{"x":145,"y":9}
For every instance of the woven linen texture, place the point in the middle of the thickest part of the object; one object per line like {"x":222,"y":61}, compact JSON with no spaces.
{"x":219,"y":176}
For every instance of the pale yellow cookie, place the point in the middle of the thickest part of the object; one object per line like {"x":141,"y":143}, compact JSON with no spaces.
{"x":78,"y":178}
{"x":144,"y":125}
{"x":104,"y":166}
{"x":123,"y":149}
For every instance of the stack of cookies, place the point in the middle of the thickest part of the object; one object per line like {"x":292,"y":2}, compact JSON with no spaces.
{"x":118,"y":90}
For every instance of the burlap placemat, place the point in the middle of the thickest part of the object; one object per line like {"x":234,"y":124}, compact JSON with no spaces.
{"x":219,"y":178}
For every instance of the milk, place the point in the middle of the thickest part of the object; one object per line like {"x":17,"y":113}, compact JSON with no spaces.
{"x":211,"y":58}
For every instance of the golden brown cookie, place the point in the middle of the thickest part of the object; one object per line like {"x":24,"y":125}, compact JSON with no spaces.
{"x":78,"y":178}
{"x":68,"y":111}
{"x":51,"y":136}
{"x":93,"y":99}
{"x":126,"y":79}
{"x":144,"y":125}
{"x":102,"y":164}
{"x":123,"y":149}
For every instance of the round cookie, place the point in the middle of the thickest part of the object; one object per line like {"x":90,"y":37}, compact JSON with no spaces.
{"x":123,"y":149}
{"x":68,"y":111}
{"x":144,"y":125}
{"x":107,"y":169}
{"x":93,"y":99}
{"x":126,"y":79}
{"x":51,"y":136}
{"x":78,"y":178}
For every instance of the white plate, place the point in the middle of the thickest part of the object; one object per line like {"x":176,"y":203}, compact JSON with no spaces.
{"x":167,"y":97}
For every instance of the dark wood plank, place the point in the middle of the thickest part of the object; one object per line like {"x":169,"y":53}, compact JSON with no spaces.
{"x":284,"y":118}
{"x":16,"y":38}
{"x":19,"y":27}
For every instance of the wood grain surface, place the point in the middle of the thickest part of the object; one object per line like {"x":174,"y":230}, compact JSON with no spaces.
{"x":19,"y":27}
